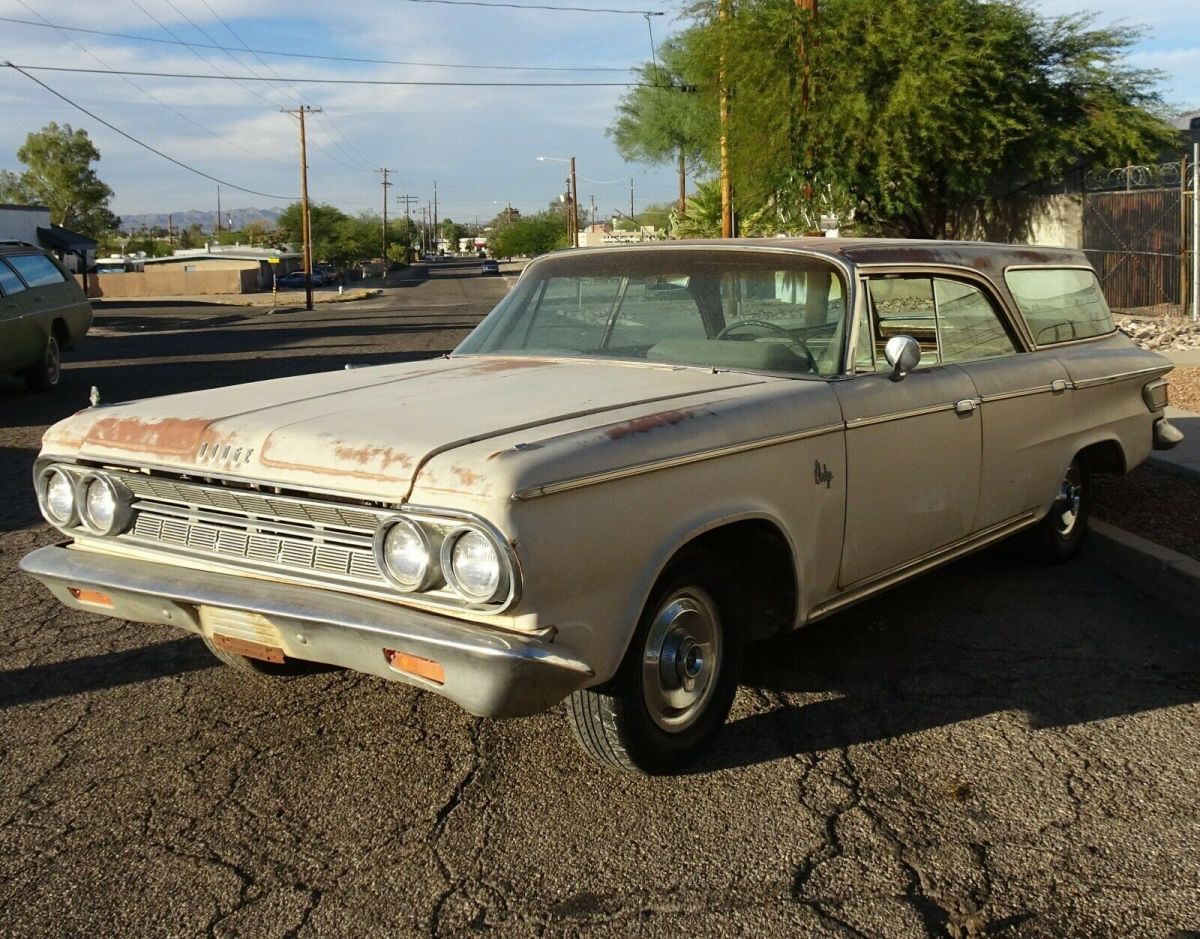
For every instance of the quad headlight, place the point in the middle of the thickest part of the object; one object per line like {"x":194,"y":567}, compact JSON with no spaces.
{"x":104,"y":505}
{"x":403,"y":550}
{"x":58,"y":497}
{"x":473,"y":565}
{"x":429,"y":552}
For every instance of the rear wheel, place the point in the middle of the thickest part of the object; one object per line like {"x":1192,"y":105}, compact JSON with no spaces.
{"x":1060,"y":534}
{"x":677,"y":682}
{"x":43,"y":375}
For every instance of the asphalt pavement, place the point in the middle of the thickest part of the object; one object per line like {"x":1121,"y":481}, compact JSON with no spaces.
{"x":996,"y":749}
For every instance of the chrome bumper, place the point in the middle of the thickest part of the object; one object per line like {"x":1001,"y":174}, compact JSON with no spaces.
{"x":1166,"y":434}
{"x":487,"y":672}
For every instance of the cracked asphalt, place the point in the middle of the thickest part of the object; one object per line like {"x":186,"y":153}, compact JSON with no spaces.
{"x":994,"y":750}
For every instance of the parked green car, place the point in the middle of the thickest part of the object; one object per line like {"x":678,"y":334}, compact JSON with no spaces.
{"x":42,"y":311}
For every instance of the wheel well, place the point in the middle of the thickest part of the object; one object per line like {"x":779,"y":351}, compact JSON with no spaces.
{"x":759,"y":563}
{"x":1103,"y":457}
{"x":58,"y":329}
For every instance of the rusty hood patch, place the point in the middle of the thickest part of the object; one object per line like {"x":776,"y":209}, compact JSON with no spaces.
{"x":371,"y":430}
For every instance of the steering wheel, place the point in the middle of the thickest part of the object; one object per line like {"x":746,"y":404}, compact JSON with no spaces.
{"x":796,"y":341}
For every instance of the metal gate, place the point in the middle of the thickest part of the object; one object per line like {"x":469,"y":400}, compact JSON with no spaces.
{"x":1136,"y":222}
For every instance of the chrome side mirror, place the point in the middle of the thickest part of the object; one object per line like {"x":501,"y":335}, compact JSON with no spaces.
{"x":903,"y":354}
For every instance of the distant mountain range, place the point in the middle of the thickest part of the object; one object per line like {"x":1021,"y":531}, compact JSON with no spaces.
{"x":231,"y":218}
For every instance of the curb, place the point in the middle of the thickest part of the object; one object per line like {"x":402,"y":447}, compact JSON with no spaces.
{"x":1149,"y":567}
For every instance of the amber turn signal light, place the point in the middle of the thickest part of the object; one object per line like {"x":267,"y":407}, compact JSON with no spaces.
{"x":415,"y":665}
{"x":94,"y":597}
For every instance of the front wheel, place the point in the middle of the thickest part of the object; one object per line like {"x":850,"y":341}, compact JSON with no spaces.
{"x":677,"y":682}
{"x":1060,"y":534}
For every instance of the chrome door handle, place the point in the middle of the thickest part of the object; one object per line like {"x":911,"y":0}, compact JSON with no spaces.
{"x":1058,"y":386}
{"x":965,"y":406}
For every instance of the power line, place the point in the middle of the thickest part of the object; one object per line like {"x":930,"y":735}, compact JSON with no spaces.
{"x":153,"y":97}
{"x":321,"y":58}
{"x":140,"y":143}
{"x":535,"y":6}
{"x":211,"y":64}
{"x":334,"y":81}
{"x":320,"y":115}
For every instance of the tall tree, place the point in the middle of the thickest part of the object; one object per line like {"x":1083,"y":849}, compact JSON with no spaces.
{"x":59,"y":175}
{"x":663,"y":119}
{"x":918,"y":111}
{"x":529,"y":235}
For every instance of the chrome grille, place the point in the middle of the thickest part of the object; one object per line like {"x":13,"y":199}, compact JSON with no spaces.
{"x":295,"y":553}
{"x":231,"y":500}
{"x":299,"y":536}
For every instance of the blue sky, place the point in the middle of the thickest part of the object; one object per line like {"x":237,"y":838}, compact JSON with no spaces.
{"x":480,"y":144}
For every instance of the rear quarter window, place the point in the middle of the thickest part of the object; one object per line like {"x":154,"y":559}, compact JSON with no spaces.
{"x":10,"y":283}
{"x":36,"y":270}
{"x":1060,"y":304}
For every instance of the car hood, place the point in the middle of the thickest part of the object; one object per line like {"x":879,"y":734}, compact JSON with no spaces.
{"x":370,"y":430}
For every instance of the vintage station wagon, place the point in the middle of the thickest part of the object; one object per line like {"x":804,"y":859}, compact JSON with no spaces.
{"x":641,"y":459}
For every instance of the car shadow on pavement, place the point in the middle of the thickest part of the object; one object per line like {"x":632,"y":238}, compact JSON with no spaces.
{"x":16,"y":466}
{"x":986,"y":635}
{"x":107,"y":670}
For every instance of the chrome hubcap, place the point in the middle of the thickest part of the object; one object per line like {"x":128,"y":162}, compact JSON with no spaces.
{"x":53,"y":361}
{"x":1070,"y":497}
{"x":681,"y":659}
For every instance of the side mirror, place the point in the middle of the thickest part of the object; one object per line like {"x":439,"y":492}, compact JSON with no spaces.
{"x":903,"y":354}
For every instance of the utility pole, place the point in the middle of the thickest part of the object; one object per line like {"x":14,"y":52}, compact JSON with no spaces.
{"x":436,"y":234}
{"x":409,"y":202}
{"x":386,"y":184}
{"x":574,"y":207}
{"x":306,"y":222}
{"x":723,"y":106}
{"x":218,"y":231}
{"x":631,"y":199}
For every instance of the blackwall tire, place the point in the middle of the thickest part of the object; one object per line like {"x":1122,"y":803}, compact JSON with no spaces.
{"x":675,"y":686}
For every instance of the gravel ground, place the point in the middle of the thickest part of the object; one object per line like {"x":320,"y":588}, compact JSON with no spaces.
{"x":1154,"y":503}
{"x":1185,"y":388}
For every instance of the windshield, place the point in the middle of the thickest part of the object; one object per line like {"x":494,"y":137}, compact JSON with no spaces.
{"x":743,"y":310}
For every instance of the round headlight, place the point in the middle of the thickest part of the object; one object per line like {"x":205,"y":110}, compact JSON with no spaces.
{"x":405,"y":555}
{"x":100,"y":504}
{"x":60,"y":497}
{"x":105,"y":509}
{"x":474,"y":568}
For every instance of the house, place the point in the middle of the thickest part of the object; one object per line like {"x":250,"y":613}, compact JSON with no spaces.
{"x":212,"y":258}
{"x":31,"y":224}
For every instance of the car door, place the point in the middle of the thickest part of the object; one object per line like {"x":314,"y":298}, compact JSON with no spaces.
{"x":20,"y":339}
{"x":913,"y":447}
{"x":1025,"y":401}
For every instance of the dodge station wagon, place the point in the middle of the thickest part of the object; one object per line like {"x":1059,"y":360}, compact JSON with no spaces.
{"x":642,"y":459}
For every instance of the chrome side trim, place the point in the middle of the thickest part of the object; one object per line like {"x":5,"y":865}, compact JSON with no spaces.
{"x":1122,"y":376}
{"x":899,"y":416}
{"x":1057,"y":387}
{"x":653,"y":466}
{"x":927,"y":562}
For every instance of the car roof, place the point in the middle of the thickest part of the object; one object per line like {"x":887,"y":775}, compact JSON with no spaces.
{"x":986,"y":257}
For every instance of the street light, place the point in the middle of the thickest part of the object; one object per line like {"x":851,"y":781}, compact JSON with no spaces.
{"x":572,"y":199}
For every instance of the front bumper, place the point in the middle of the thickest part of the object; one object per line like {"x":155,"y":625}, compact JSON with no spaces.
{"x":488,"y":672}
{"x":1166,"y":435}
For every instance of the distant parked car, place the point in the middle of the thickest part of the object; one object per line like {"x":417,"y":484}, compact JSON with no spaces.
{"x":329,"y":273}
{"x":489,"y":266}
{"x":294,"y":279}
{"x":42,"y":311}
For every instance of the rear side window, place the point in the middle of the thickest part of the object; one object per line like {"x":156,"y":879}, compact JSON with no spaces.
{"x":10,"y":283}
{"x":36,"y":270}
{"x":1060,"y":305}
